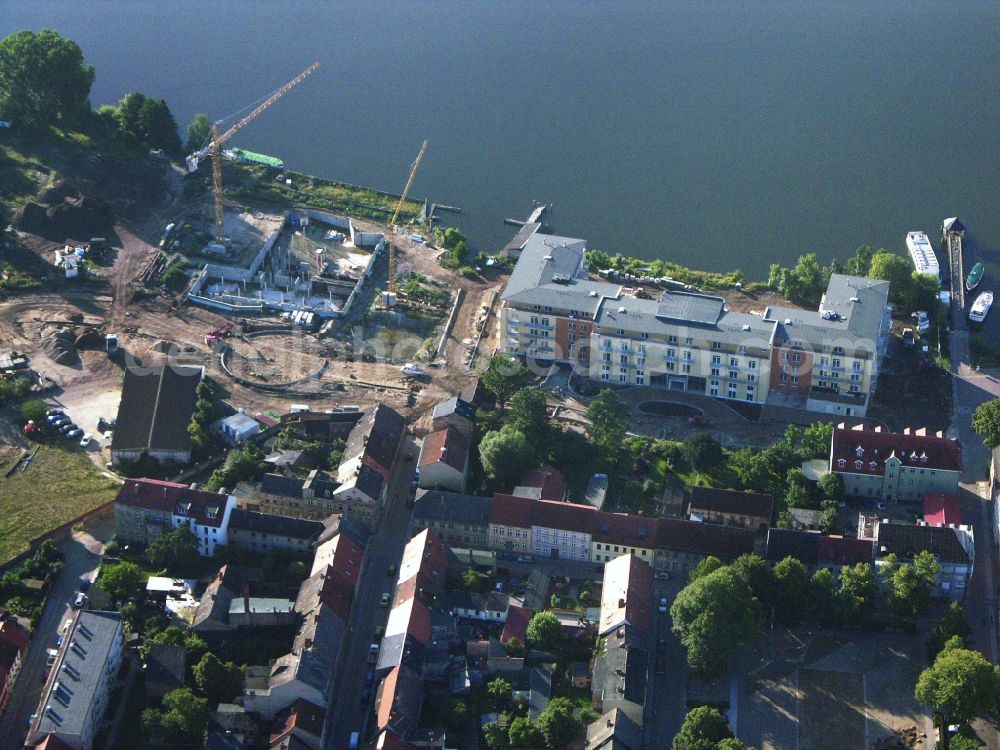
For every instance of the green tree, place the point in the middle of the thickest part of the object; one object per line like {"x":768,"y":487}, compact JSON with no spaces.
{"x":199,"y":133}
{"x":809,"y":276}
{"x":503,"y":377}
{"x":791,"y":590}
{"x":529,"y":414}
{"x":816,"y":440}
{"x":952,"y":624}
{"x":219,"y":682}
{"x":832,"y":486}
{"x":558,"y":724}
{"x":43,"y":80}
{"x":822,"y":595}
{"x":908,"y":594}
{"x":172,"y":635}
{"x":544,"y":631}
{"x":149,"y":121}
{"x":34,"y":410}
{"x":798,"y":496}
{"x":702,"y":451}
{"x":174,"y":550}
{"x":185,"y":714}
{"x":524,"y":734}
{"x":500,"y":692}
{"x":860,"y":264}
{"x":856,"y":595}
{"x":496,"y":737}
{"x":896,"y":270}
{"x":731,"y":743}
{"x":713,"y":616}
{"x":608,"y":417}
{"x":755,"y":573}
{"x":242,"y":464}
{"x":122,"y":580}
{"x":924,"y":292}
{"x":456,"y":715}
{"x":959,"y":686}
{"x":474,"y":581}
{"x":986,"y":422}
{"x":514,"y":647}
{"x":505,"y":455}
{"x":709,"y":565}
{"x":704,"y":728}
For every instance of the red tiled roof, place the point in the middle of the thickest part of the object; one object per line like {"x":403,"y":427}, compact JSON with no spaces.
{"x":304,"y":716}
{"x":389,"y":740}
{"x":874,"y":447}
{"x":154,"y":494}
{"x":425,"y":558}
{"x":942,"y":508}
{"x":52,"y":742}
{"x":516,"y":625}
{"x":448,"y":446}
{"x":839,"y":550}
{"x":509,"y":510}
{"x":629,"y":581}
{"x":419,"y":626}
{"x":725,"y":542}
{"x":10,"y":634}
{"x":548,"y":479}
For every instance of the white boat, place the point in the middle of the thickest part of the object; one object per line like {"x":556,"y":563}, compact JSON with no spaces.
{"x":981,"y":307}
{"x":922,"y":254}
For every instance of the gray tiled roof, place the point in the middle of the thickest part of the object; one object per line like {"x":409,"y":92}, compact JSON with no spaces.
{"x":435,"y":505}
{"x":272,"y":525}
{"x":156,"y":408}
{"x":279,"y":484}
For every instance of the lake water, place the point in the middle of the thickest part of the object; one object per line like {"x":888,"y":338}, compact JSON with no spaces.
{"x":717,"y":134}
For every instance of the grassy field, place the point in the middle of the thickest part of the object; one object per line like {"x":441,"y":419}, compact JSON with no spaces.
{"x":60,"y":484}
{"x":831,"y":712}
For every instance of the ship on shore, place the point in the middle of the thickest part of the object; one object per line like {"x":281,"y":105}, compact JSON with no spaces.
{"x":975,"y":277}
{"x":981,"y":307}
{"x":252,"y":157}
{"x":922,"y":254}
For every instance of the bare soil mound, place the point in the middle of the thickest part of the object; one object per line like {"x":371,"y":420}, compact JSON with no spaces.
{"x":60,"y":346}
{"x":89,"y":338}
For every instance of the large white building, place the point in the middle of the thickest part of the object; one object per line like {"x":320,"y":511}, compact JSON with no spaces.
{"x":824,"y":360}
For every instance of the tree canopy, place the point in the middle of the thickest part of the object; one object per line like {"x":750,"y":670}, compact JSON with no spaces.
{"x":199,"y":132}
{"x":505,"y":455}
{"x":986,"y":422}
{"x":220,"y":682}
{"x":149,"y":121}
{"x":122,"y":580}
{"x":184,"y":714}
{"x":704,"y":728}
{"x":558,"y":723}
{"x":529,"y":414}
{"x":608,"y":422}
{"x":503,"y":377}
{"x":544,"y":630}
{"x":712,"y":616}
{"x":702,"y":451}
{"x":960,"y":685}
{"x":43,"y":79}
{"x":174,"y":550}
{"x":524,"y":734}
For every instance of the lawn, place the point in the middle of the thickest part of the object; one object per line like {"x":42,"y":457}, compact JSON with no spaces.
{"x":60,"y":484}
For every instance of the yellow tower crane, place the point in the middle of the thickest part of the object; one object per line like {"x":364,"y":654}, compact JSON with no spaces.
{"x":214,"y":147}
{"x":390,"y":296}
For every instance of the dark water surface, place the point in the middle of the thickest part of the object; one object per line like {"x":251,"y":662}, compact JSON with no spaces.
{"x":723,"y":134}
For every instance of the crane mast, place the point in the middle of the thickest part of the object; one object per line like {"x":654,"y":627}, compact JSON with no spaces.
{"x":390,"y":296}
{"x":214,"y":148}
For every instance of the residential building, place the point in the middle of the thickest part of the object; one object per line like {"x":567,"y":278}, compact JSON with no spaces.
{"x":260,"y":611}
{"x":815,"y":550}
{"x":748,"y":510}
{"x":596,"y":491}
{"x":625,"y":630}
{"x":541,"y":527}
{"x":543,"y":483}
{"x":455,"y":412}
{"x":212,"y":614}
{"x":467,"y":605}
{"x":398,"y":702}
{"x":155,"y":411}
{"x":163,"y":670}
{"x":444,"y":460}
{"x":265,"y":532}
{"x":147,"y":508}
{"x":824,"y":360}
{"x":372,"y":448}
{"x":942,"y":509}
{"x":516,"y":624}
{"x":617,"y":729}
{"x":237,"y":428}
{"x":460,"y":520}
{"x":952,"y":546}
{"x":895,"y":466}
{"x":304,"y":722}
{"x":76,"y":693}
{"x":322,"y":425}
{"x":13,"y":645}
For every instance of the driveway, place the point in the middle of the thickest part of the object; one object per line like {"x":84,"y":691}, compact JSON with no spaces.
{"x":81,"y":561}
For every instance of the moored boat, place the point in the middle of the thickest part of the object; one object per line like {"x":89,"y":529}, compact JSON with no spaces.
{"x":981,"y":307}
{"x":974,"y":277}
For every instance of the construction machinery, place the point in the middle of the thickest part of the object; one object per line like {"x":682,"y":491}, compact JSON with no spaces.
{"x":214,"y":147}
{"x":389,"y":297}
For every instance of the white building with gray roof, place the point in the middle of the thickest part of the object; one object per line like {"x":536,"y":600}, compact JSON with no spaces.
{"x":824,"y":360}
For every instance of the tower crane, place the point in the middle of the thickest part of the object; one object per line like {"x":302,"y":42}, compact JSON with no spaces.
{"x":214,"y":147}
{"x":390,"y":295}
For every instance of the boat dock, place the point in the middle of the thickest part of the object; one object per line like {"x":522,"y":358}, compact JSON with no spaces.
{"x":953,"y":232}
{"x":535,"y":218}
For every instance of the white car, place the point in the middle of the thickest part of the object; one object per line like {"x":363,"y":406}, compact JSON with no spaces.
{"x":85,"y":440}
{"x":663,"y":606}
{"x":411,"y":370}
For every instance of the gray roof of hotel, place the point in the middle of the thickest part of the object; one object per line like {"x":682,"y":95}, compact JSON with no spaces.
{"x":643,"y":316}
{"x":544,"y":275}
{"x":94,"y":632}
{"x":685,"y":307}
{"x":452,"y":506}
{"x":853,"y":320}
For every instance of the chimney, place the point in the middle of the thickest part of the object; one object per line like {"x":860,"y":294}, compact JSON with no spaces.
{"x":246,"y":602}
{"x":621,"y":604}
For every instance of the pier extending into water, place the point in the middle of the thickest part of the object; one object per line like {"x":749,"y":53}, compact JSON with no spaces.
{"x":953,"y":236}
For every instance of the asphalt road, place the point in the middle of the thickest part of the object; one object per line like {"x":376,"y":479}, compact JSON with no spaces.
{"x":79,"y":563}
{"x":347,"y":713}
{"x":666,"y":694}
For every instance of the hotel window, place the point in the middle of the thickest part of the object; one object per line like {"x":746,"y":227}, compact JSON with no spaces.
{"x":687,"y":356}
{"x":823,"y":383}
{"x":743,"y":349}
{"x":671,"y":339}
{"x":624,"y":359}
{"x":545,"y":321}
{"x":731,"y":391}
{"x":688,"y":340}
{"x":686,"y":368}
{"x":572,"y":326}
{"x":640,"y":361}
{"x":670,"y":366}
{"x":836,"y":363}
{"x":751,"y":378}
{"x":716,"y":359}
{"x":856,"y":377}
{"x":782,"y":378}
{"x":855,"y":389}
{"x":622,"y":378}
{"x":606,"y":357}
{"x":714,"y":389}
{"x":640,"y":377}
{"x":620,"y":331}
{"x":534,"y":320}
{"x":752,"y":364}
{"x":716,"y":372}
{"x":642,"y":348}
{"x":857,"y":367}
{"x":716,"y":345}
{"x":733,"y":362}
{"x":671,"y":353}
{"x":733,"y":374}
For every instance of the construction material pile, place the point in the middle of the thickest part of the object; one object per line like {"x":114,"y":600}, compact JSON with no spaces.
{"x":60,"y":347}
{"x":900,"y":739}
{"x":63,"y":213}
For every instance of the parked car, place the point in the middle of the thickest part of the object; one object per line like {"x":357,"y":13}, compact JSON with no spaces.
{"x":373,"y":653}
{"x":411,"y":370}
{"x":66,"y":427}
{"x":84,"y":584}
{"x":80,"y":600}
{"x":385,"y":599}
{"x":908,"y":338}
{"x":50,"y":656}
{"x":525,"y":559}
{"x":54,"y":413}
{"x":663,"y":606}
{"x":74,"y":434}
{"x":85,"y":440}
